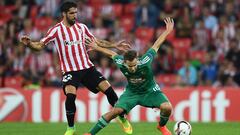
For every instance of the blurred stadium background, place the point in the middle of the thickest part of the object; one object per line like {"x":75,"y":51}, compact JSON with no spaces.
{"x":198,"y":67}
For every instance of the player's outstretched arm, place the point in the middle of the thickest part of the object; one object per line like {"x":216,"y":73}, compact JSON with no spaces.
{"x":37,"y":46}
{"x":122,"y":45}
{"x":105,"y":51}
{"x":169,"y":27}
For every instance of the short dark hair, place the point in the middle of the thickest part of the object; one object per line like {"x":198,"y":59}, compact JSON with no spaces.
{"x":67,"y":5}
{"x":130,"y":55}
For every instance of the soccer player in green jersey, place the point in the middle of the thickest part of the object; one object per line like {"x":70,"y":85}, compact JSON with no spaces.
{"x":142,"y":88}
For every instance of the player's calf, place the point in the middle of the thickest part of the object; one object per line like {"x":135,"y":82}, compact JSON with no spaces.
{"x":70,"y":108}
{"x":104,"y":120}
{"x":166,"y":110}
{"x":111,"y":96}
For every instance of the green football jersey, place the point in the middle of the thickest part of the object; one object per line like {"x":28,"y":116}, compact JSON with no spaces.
{"x":143,"y":79}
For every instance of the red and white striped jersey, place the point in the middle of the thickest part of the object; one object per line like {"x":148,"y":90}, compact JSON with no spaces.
{"x":70,"y":44}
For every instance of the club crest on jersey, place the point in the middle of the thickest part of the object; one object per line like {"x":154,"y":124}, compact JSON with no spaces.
{"x":70,"y":43}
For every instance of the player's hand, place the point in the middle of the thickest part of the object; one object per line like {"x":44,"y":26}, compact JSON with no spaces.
{"x":88,"y":41}
{"x":25,"y":40}
{"x":123,"y":46}
{"x":91,"y":44}
{"x":169,"y":24}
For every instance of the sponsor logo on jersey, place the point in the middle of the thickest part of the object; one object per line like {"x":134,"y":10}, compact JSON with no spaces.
{"x":70,"y":43}
{"x":136,"y":80}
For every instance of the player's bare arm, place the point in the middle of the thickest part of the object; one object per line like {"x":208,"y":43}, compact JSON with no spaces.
{"x":122,"y":45}
{"x":104,"y":43}
{"x":105,"y":51}
{"x":37,"y":46}
{"x":169,"y":27}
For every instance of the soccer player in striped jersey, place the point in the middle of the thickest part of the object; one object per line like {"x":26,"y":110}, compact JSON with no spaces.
{"x":69,"y":39}
{"x":142,"y":88}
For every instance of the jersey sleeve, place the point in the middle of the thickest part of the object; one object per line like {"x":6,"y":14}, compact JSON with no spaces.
{"x":118,"y":60}
{"x":88,"y":34}
{"x":148,"y":57}
{"x":50,"y":36}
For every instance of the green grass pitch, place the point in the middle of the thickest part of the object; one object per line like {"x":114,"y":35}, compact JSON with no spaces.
{"x":142,"y":128}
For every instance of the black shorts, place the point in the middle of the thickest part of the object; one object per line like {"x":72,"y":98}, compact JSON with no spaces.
{"x":90,"y":78}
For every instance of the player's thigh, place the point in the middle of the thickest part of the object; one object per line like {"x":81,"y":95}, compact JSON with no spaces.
{"x":71,"y":81}
{"x":154,"y":99}
{"x":127,"y":101}
{"x":92,"y":79}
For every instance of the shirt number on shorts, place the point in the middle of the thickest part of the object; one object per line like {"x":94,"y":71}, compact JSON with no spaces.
{"x":67,"y":77}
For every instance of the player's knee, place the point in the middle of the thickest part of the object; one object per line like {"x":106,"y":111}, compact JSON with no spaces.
{"x":70,"y":89}
{"x":103,"y":85}
{"x":117,"y":111}
{"x":113,"y":114}
{"x":166,"y":109}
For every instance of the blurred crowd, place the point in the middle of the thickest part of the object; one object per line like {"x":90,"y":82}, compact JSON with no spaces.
{"x":203,"y":49}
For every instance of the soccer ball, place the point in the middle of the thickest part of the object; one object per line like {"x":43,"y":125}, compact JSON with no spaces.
{"x":182,"y":128}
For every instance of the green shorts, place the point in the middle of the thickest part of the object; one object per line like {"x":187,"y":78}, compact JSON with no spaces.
{"x":128,"y":100}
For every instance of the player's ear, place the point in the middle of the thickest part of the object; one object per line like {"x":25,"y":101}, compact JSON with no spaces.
{"x":124,"y":62}
{"x":64,"y":14}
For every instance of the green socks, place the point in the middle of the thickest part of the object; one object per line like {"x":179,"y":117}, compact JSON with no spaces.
{"x":100,"y":125}
{"x":163,"y":120}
